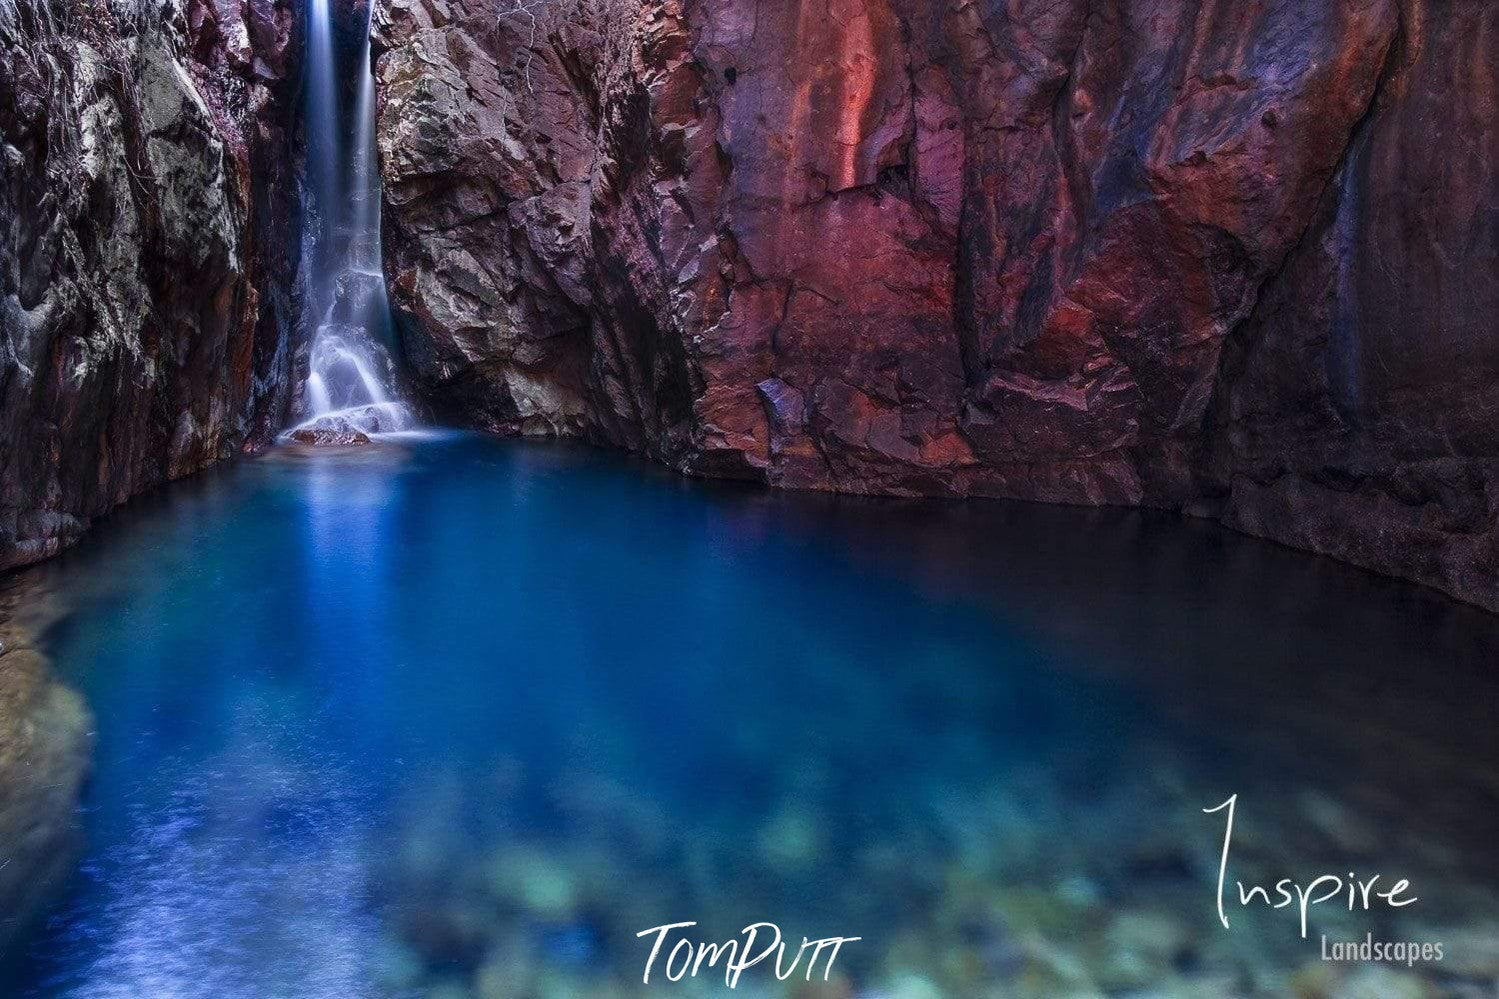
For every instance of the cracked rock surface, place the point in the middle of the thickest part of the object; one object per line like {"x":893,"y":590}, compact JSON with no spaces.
{"x":147,"y":250}
{"x":1233,"y":258}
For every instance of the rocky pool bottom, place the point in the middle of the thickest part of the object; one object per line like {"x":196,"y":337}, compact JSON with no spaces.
{"x":459,"y":717}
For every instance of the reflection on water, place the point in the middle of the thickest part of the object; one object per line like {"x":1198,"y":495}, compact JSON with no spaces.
{"x":460,"y":717}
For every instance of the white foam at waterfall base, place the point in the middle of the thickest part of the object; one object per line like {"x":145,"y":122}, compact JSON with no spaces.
{"x":346,"y":385}
{"x":351,"y":373}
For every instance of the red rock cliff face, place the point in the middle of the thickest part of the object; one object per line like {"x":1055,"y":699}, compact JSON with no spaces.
{"x":147,"y":250}
{"x":1233,"y":257}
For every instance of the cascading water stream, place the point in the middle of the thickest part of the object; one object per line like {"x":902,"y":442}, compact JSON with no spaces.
{"x":350,"y":371}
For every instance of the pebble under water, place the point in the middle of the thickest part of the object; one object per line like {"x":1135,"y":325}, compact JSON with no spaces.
{"x":459,"y":717}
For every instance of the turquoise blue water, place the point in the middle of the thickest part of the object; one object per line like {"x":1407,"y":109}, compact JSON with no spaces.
{"x":460,"y":717}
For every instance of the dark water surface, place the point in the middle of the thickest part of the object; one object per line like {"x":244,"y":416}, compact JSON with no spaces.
{"x":459,"y":717}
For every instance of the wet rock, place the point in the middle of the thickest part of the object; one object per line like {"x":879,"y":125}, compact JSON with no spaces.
{"x":1085,"y":253}
{"x":541,"y":886}
{"x":353,"y":425}
{"x":907,"y":986}
{"x":448,"y":990}
{"x":1340,"y":825}
{"x":790,"y":840}
{"x":1142,"y":948}
{"x":45,"y":747}
{"x":147,"y":256}
{"x":1378,"y":982}
{"x":330,"y":436}
{"x":837,"y":987}
{"x":1079,"y":891}
{"x":501,"y":977}
{"x":1471,"y":950}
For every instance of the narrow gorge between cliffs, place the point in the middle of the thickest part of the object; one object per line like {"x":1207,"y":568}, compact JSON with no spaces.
{"x":480,"y":480}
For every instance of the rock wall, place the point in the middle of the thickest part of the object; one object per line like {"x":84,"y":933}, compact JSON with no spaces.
{"x":1355,"y":413}
{"x":147,"y":252}
{"x":1233,"y":258}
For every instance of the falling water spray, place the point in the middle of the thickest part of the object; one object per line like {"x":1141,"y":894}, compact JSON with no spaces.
{"x":350,"y":369}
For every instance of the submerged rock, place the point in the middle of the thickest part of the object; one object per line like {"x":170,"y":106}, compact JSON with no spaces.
{"x":1379,"y":982}
{"x":790,"y":840}
{"x":45,"y":752}
{"x":352,"y":426}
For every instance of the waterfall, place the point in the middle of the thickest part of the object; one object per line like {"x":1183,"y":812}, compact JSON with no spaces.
{"x":351,"y":373}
